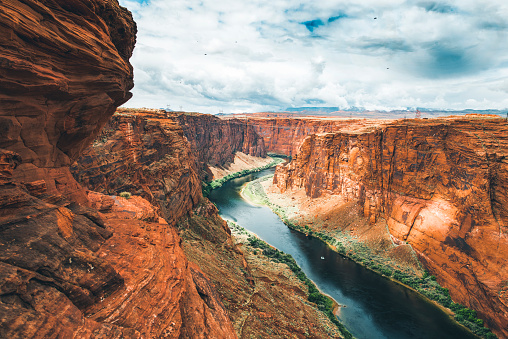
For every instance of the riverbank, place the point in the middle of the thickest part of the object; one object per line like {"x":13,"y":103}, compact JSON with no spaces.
{"x":356,"y":240}
{"x":240,"y":162}
{"x":253,"y":245}
{"x":207,"y":187}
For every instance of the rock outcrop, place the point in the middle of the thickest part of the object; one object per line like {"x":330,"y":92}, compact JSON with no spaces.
{"x":440,"y":185}
{"x":146,"y":156}
{"x":64,"y":69}
{"x":66,"y":271}
{"x":164,"y":295}
{"x":215,"y":141}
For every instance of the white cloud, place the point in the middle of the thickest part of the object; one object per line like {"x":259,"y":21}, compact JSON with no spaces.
{"x":271,"y":54}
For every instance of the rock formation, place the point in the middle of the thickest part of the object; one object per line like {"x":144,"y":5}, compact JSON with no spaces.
{"x":440,"y":185}
{"x":144,"y":156}
{"x":64,"y":70}
{"x":285,"y":135}
{"x":66,"y":271}
{"x":215,"y":141}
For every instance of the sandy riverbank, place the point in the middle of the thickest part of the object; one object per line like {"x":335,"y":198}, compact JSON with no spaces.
{"x":241,"y":162}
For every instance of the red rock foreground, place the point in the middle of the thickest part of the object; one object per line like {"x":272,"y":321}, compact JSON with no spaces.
{"x":65,"y":272}
{"x":441,"y":185}
{"x":64,"y":69}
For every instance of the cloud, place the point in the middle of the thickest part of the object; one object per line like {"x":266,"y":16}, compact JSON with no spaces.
{"x":387,"y":45}
{"x":432,"y":6}
{"x":227,"y":55}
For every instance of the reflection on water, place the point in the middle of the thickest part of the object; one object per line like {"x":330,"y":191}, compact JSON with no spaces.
{"x":375,"y":306}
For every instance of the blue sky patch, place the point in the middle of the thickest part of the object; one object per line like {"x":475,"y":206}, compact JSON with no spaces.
{"x":337,"y":17}
{"x":313,"y":24}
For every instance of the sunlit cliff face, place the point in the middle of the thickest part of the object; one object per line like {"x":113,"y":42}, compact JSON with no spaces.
{"x":438,"y":184}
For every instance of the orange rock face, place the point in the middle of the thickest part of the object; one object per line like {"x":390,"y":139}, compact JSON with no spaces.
{"x":440,"y":185}
{"x":285,"y":135}
{"x":64,"y":69}
{"x":164,"y":295}
{"x":65,"y":270}
{"x":144,"y":156}
{"x":215,"y":141}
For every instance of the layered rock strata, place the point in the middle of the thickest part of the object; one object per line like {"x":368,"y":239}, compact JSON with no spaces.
{"x":215,"y":141}
{"x":64,"y":70}
{"x":164,"y":295}
{"x":285,"y":135}
{"x":439,"y":185}
{"x":145,"y":156}
{"x":66,"y":271}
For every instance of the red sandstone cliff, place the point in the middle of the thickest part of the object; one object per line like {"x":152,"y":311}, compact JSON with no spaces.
{"x":65,"y":270}
{"x":215,"y":141}
{"x":146,"y":156}
{"x":64,"y":70}
{"x":441,"y":185}
{"x":285,"y":135}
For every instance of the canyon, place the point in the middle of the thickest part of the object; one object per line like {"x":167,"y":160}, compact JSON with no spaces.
{"x":76,"y":262}
{"x":156,"y":155}
{"x":437,"y":185}
{"x":78,"y":258}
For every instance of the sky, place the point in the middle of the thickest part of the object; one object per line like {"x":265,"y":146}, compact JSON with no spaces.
{"x":233,"y":56}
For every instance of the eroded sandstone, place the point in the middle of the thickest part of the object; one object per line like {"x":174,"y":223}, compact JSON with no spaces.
{"x":66,"y":270}
{"x":64,"y":70}
{"x":439,"y":184}
{"x":145,"y":156}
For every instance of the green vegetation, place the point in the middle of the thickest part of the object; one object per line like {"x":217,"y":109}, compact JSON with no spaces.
{"x":351,"y":248}
{"x":125,"y":195}
{"x":277,"y":155}
{"x":323,"y":302}
{"x":209,"y":186}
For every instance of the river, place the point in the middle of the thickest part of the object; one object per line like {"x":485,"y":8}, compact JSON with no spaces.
{"x":375,"y":306}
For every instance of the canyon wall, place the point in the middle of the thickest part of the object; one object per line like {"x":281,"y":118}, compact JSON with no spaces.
{"x":64,"y":70}
{"x":66,"y":270}
{"x":215,"y":141}
{"x":440,"y":185}
{"x":285,"y":135}
{"x":147,"y":156}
